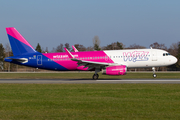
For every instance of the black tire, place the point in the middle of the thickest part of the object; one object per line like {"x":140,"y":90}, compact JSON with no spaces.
{"x":95,"y":76}
{"x":154,"y":75}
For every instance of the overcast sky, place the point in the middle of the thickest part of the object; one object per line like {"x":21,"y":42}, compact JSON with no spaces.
{"x":51,"y":22}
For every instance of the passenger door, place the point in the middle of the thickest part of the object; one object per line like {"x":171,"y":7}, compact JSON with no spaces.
{"x":154,"y":55}
{"x":39,"y":60}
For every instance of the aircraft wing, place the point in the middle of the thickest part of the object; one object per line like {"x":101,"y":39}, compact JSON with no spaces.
{"x":91,"y":64}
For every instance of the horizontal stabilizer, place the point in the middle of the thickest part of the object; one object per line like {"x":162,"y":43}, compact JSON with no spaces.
{"x":20,"y":60}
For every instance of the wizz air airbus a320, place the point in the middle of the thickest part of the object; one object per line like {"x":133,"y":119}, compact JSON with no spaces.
{"x":110,"y":62}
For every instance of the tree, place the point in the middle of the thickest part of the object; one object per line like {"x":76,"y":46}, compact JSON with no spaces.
{"x":80,"y":47}
{"x":53,"y":50}
{"x":8,"y":52}
{"x":156,"y":45}
{"x":2,"y":56}
{"x":38,"y":48}
{"x":178,"y":56}
{"x":173,"y":50}
{"x":120,"y":46}
{"x":67,"y":46}
{"x":46,"y":50}
{"x":135,"y":46}
{"x":96,"y":43}
{"x":90,"y":48}
{"x":59,"y":48}
{"x":114,"y":46}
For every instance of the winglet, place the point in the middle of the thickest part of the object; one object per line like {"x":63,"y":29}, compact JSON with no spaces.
{"x":69,"y":54}
{"x":75,"y":50}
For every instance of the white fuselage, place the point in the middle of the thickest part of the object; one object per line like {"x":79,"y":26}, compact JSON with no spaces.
{"x":141,"y":57}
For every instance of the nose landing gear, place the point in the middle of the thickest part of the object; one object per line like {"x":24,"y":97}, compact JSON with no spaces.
{"x":154,"y":75}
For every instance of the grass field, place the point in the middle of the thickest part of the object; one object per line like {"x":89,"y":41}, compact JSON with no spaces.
{"x":90,"y":101}
{"x":85,"y":76}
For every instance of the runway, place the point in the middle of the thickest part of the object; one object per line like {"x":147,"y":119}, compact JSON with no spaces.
{"x":84,"y":81}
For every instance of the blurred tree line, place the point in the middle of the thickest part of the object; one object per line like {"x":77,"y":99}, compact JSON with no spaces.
{"x":174,"y":50}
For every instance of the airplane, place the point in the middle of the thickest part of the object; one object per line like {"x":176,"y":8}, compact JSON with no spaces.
{"x":110,"y":62}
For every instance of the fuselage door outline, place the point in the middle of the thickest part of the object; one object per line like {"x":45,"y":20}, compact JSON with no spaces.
{"x":39,"y":60}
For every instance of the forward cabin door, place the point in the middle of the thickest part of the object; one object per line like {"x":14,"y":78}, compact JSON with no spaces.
{"x":154,"y":55}
{"x":39,"y":60}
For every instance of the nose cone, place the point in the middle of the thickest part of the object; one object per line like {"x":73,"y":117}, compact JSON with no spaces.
{"x":174,"y":60}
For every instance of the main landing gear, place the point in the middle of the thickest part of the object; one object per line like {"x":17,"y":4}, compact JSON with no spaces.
{"x":96,"y":76}
{"x":154,"y":75}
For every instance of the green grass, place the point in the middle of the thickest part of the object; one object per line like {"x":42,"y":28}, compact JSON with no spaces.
{"x":90,"y":101}
{"x":85,"y":76}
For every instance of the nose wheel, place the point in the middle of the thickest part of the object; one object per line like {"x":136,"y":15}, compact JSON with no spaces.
{"x":154,"y":75}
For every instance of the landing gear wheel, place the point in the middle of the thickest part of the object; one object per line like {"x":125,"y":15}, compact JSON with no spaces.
{"x":95,"y":76}
{"x":154,"y":75}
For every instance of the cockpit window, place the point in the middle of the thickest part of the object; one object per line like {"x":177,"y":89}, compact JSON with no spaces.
{"x":166,"y":54}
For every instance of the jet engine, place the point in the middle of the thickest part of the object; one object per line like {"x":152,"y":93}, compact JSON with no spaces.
{"x":115,"y":70}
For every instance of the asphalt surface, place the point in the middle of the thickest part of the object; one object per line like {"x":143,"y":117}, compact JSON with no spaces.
{"x":82,"y":81}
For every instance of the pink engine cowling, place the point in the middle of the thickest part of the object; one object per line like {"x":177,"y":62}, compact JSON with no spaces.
{"x":115,"y":70}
